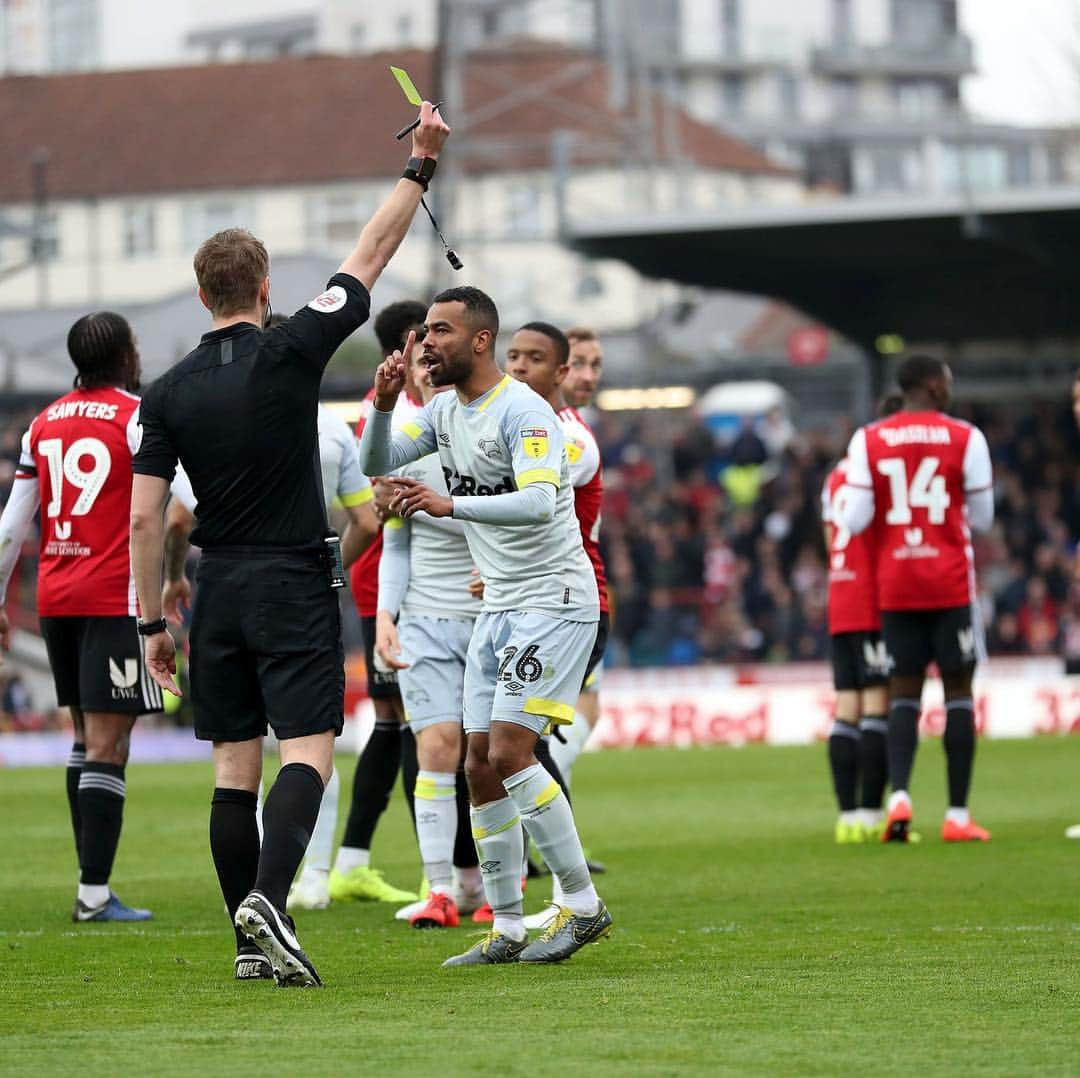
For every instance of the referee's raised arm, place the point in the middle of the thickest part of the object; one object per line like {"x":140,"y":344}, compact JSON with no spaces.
{"x":239,"y":413}
{"x":383,"y":234}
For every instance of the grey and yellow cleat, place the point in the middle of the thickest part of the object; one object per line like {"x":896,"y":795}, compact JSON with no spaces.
{"x":569,"y":932}
{"x":494,"y":949}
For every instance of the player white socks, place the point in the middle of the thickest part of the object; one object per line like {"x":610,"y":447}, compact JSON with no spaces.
{"x":550,"y":824}
{"x":320,"y":849}
{"x":496,"y":830}
{"x":959,"y":816}
{"x":350,"y":857}
{"x":576,"y":734}
{"x":436,"y":826}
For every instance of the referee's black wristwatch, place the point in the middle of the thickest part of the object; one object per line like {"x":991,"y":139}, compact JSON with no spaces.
{"x":151,"y":628}
{"x":420,"y":170}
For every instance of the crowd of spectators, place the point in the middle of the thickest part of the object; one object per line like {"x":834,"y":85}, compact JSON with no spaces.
{"x":715,"y":552}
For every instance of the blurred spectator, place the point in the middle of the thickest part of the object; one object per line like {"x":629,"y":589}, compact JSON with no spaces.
{"x":725,"y":564}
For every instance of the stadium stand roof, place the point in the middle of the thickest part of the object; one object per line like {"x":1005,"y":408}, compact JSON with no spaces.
{"x":316,"y":119}
{"x":942,"y":269}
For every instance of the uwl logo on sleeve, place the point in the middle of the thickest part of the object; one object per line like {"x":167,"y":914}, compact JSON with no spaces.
{"x":124,"y":680}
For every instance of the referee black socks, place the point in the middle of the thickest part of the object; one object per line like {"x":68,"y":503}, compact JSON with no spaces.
{"x":101,"y":811}
{"x":234,"y":845}
{"x":289,"y":815}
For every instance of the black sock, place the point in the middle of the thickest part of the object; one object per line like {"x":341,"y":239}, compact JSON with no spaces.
{"x":74,"y":769}
{"x":959,"y":749}
{"x":844,"y":762}
{"x":410,"y":768}
{"x":101,"y":809}
{"x":542,"y":752}
{"x":873,"y":760}
{"x":465,"y":855}
{"x":234,"y":845}
{"x":289,"y":815}
{"x":376,"y":772}
{"x":903,"y":741}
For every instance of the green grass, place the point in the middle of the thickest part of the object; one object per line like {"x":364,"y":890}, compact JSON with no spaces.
{"x":745,"y":942}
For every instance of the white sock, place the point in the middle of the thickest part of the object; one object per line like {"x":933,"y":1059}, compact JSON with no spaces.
{"x":93,"y":894}
{"x":311,"y":874}
{"x":550,"y":823}
{"x":871,"y":817}
{"x":576,"y":734}
{"x":959,"y":816}
{"x":350,"y":857}
{"x":850,"y":818}
{"x":320,"y":851}
{"x":898,"y":796}
{"x":496,"y":829}
{"x":436,"y":826}
{"x":469,"y":879}
{"x":260,"y":800}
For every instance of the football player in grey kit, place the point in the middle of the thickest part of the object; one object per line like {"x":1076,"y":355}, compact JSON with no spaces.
{"x":502,"y":451}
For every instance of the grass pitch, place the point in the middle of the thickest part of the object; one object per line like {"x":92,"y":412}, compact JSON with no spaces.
{"x":745,"y":941}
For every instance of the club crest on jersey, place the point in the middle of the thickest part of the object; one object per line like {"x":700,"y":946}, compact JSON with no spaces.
{"x":126,"y":678}
{"x":534,"y":440}
{"x":490,"y":448}
{"x":333,"y":299}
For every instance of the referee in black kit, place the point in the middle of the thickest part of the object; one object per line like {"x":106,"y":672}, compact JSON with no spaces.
{"x":239,"y":413}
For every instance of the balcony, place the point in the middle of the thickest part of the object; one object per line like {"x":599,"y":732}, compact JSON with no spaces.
{"x":948,"y":57}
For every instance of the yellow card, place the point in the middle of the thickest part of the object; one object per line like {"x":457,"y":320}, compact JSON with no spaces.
{"x":406,"y":85}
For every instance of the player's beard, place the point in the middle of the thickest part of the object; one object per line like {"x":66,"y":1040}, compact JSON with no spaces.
{"x":450,"y":371}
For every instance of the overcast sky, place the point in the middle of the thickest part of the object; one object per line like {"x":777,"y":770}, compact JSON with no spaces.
{"x":1028,"y":55}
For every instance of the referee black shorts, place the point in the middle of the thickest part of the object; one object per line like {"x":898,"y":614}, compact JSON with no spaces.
{"x":97,"y":665}
{"x":265,"y":646}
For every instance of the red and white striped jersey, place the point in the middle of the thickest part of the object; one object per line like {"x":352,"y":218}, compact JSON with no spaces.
{"x":587,"y":477}
{"x":921,"y":467}
{"x":79,"y":450}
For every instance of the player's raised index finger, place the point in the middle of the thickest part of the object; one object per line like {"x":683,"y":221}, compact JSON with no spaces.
{"x":410,"y":343}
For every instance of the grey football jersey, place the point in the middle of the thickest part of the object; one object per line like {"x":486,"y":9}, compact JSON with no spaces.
{"x":342,"y":476}
{"x":440,"y":564}
{"x":504,"y":441}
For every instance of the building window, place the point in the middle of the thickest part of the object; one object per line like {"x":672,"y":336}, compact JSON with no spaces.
{"x":917,"y":99}
{"x":73,"y":35}
{"x":139,"y":230}
{"x":523,"y":209}
{"x":842,"y":35}
{"x":892,"y":168}
{"x":731,"y":94}
{"x":919,"y":24}
{"x":729,"y":27}
{"x":789,"y":94}
{"x":45,"y":242}
{"x":1018,"y":166}
{"x":334,"y":219}
{"x":845,"y":96}
{"x":204,"y":218}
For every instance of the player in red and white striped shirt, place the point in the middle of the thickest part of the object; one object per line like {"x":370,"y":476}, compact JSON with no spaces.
{"x":923,"y":480}
{"x":76,"y":464}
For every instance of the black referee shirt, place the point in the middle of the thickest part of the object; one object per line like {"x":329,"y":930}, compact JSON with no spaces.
{"x":240,"y":414}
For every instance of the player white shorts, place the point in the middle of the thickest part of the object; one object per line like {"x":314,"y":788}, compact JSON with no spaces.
{"x":525,"y":668}
{"x":432,"y":686}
